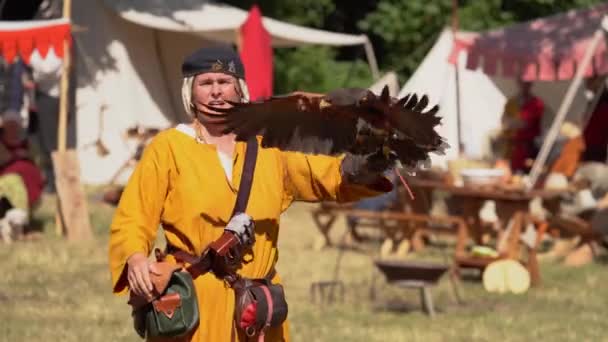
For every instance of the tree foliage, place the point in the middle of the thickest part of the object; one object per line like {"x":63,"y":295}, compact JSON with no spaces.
{"x":316,"y":69}
{"x":299,"y":12}
{"x":402,"y":32}
{"x":407,"y":30}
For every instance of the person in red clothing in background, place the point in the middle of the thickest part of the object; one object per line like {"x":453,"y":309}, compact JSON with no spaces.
{"x":15,"y":156}
{"x":522,"y":124}
{"x":596,"y":132}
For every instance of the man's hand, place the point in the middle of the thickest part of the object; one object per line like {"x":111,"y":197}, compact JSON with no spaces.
{"x":138,"y":274}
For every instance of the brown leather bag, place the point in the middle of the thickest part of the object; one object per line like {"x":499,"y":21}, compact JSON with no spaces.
{"x":259,"y":305}
{"x":172,"y":310}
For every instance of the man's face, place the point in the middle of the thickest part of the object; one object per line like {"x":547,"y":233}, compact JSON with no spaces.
{"x":214,"y":89}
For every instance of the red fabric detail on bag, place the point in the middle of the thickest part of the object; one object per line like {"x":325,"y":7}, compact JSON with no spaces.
{"x":248,"y":316}
{"x":270,"y":304}
{"x":269,"y":313}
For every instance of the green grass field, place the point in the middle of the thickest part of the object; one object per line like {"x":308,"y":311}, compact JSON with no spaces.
{"x":52,"y":290}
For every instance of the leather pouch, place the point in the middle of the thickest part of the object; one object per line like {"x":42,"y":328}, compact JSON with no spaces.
{"x":172,"y":311}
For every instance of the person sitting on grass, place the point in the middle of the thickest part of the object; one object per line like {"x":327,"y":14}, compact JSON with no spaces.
{"x":21,"y":181}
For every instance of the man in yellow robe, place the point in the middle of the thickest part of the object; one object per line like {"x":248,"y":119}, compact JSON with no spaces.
{"x":187,"y":181}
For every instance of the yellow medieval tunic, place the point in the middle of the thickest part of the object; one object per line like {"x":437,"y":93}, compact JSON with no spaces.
{"x":181,"y":184}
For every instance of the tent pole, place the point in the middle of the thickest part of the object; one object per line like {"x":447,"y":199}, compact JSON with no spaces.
{"x":65,"y":82}
{"x":371,"y":59}
{"x":455,"y":25}
{"x":540,"y":160}
{"x":238,"y":40}
{"x":63,"y":108}
{"x":458,"y":112}
{"x":175,"y":108}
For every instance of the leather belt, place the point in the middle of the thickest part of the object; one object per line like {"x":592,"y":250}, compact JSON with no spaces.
{"x":202,"y":264}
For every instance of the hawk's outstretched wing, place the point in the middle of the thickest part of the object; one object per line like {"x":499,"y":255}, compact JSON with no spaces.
{"x":345,"y":120}
{"x":408,"y":118}
{"x":293,"y":123}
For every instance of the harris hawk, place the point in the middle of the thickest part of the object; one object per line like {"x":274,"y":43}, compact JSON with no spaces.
{"x":344,"y":121}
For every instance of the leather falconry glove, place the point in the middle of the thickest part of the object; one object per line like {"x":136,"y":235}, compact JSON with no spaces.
{"x":366,"y":169}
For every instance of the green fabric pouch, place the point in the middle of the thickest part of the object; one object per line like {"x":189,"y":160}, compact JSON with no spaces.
{"x":174,"y":313}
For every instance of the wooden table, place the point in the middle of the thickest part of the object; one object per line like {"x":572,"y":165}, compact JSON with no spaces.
{"x":512,"y":207}
{"x":409,"y":223}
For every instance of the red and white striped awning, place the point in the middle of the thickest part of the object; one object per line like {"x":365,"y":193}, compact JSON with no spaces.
{"x":21,"y":38}
{"x":545,"y":49}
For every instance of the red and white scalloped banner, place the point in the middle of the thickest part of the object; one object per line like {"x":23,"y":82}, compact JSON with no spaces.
{"x":23,"y":37}
{"x":535,"y":66}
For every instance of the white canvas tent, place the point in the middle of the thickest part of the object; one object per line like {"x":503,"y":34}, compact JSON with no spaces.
{"x":129,"y":57}
{"x":482,"y":99}
{"x":389,"y":80}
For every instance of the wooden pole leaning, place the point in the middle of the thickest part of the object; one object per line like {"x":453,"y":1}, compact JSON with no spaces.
{"x":63,"y":108}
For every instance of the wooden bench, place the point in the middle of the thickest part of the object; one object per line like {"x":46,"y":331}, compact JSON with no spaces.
{"x":409,"y":225}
